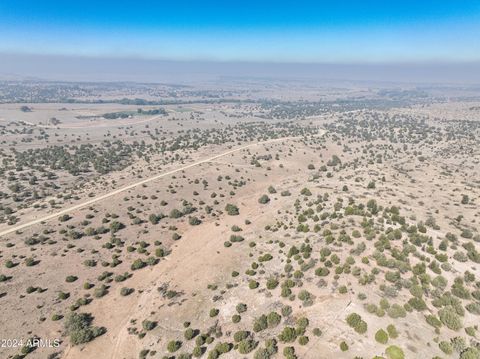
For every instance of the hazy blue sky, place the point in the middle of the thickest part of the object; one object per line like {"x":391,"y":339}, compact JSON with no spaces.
{"x":280,"y":31}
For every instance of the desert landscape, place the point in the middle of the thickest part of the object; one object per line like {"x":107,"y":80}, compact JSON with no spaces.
{"x":268,"y":219}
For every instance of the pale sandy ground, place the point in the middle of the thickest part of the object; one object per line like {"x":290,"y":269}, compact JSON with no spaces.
{"x":200,"y":258}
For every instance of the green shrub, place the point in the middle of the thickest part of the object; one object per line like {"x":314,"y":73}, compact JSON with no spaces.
{"x":236,"y":238}
{"x":361,"y":328}
{"x":87,"y":285}
{"x":29,"y":262}
{"x":272,"y":283}
{"x":303,"y":340}
{"x":473,"y":308}
{"x":241,"y":308}
{"x":446,"y":347}
{"x":78,"y":326}
{"x":289,"y":353}
{"x":262,"y":353}
{"x":138,"y":264}
{"x":433,"y":321}
{"x":232,"y":210}
{"x":160,"y":252}
{"x":240,"y":335}
{"x":246,"y":346}
{"x":126,"y":291}
{"x":305,"y":192}
{"x":213,"y":354}
{"x":322,"y":271}
{"x":265,"y":258}
{"x":380,"y":312}
{"x":392,"y":331}
{"x":198,"y":352}
{"x":56,"y":317}
{"x":173,"y":346}
{"x":189,"y":334}
{"x":470,"y":353}
{"x":223,"y":348}
{"x":100,"y":291}
{"x":396,"y":311}
{"x":303,"y":322}
{"x":286,"y":310}
{"x":450,"y":318}
{"x":148,"y":325}
{"x":252,"y":284}
{"x":175,"y":213}
{"x":154,"y":219}
{"x":355,"y":321}
{"x":31,"y":289}
{"x":264,"y":199}
{"x":459,"y":344}
{"x":394,"y":352}
{"x":63,"y":295}
{"x":90,"y":263}
{"x":236,"y":228}
{"x":417,"y":303}
{"x":194,"y":221}
{"x":273,"y":319}
{"x":260,"y":323}
{"x":200,"y":340}
{"x":287,"y":335}
{"x":71,"y":278}
{"x":64,"y":218}
{"x":116,"y":226}
{"x":381,"y":336}
{"x":470,"y":331}
{"x":305,"y":296}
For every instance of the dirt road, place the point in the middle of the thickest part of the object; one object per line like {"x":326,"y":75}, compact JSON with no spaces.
{"x":133,"y":185}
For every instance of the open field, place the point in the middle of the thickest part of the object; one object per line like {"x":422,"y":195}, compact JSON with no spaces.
{"x":184,"y":222}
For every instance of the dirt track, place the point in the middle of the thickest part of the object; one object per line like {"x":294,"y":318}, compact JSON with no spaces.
{"x":133,"y":185}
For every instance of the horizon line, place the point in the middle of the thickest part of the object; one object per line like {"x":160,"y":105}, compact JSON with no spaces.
{"x":433,"y":61}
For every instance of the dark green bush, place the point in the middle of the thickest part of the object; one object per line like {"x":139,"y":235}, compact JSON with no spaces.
{"x":232,"y":210}
{"x":287,"y":335}
{"x":78,"y":327}
{"x":173,"y":346}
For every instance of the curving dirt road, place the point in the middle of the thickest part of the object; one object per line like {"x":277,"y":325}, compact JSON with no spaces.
{"x":133,"y":185}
